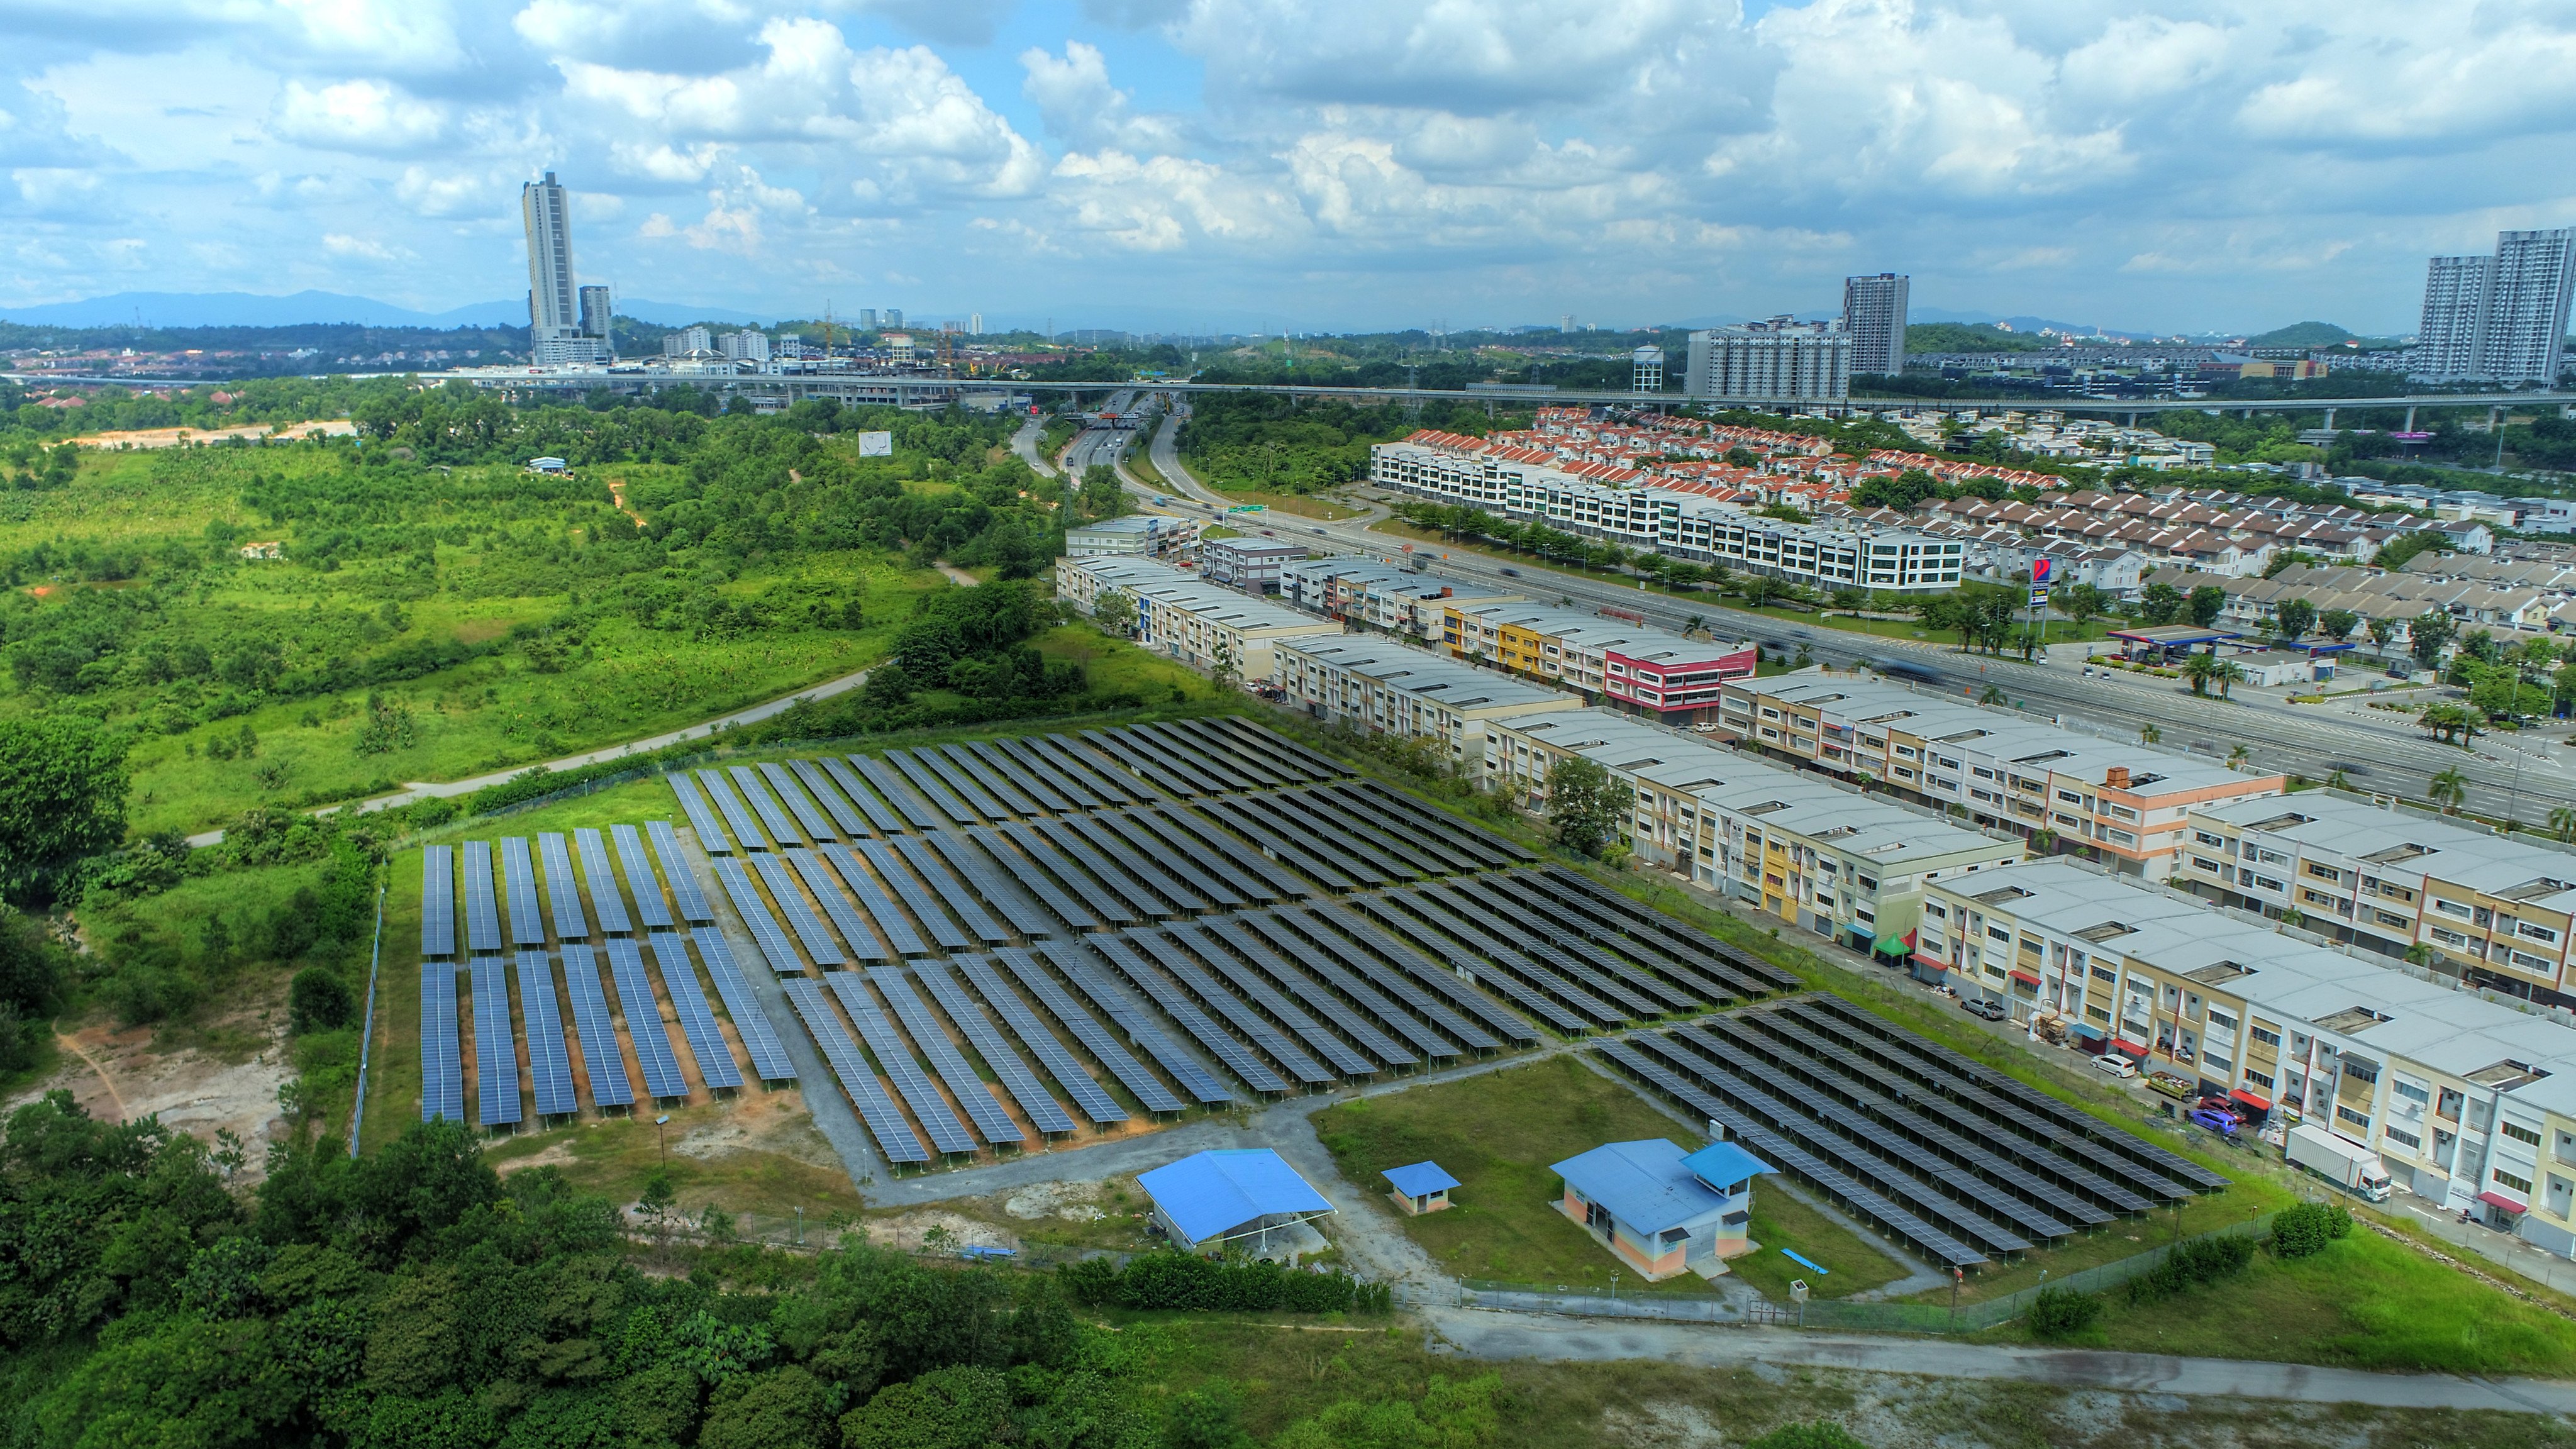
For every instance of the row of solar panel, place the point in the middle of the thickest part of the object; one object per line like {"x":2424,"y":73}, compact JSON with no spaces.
{"x":1215,"y":756}
{"x":799,"y":802}
{"x":1355,"y":835}
{"x":549,"y":1064}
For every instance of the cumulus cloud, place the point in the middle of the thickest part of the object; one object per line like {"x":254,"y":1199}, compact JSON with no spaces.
{"x":1083,"y":109}
{"x":358,"y":115}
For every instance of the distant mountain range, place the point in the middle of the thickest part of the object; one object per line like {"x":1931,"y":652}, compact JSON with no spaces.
{"x":251,"y":309}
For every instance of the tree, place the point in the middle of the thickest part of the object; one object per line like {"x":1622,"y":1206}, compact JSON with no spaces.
{"x":2449,"y":789}
{"x":1100,"y":495}
{"x":2427,"y":635}
{"x":2292,"y":618}
{"x":1114,"y":610}
{"x":2205,"y":604}
{"x":2082,"y":603}
{"x":1585,"y":804}
{"x":2383,"y":632}
{"x":62,"y":799}
{"x":2338,"y":624}
{"x":2228,"y":673}
{"x":2239,"y":757}
{"x":2160,"y":604}
{"x":2150,"y":733}
{"x":316,"y":1000}
{"x":2200,"y":669}
{"x":1222,"y":668}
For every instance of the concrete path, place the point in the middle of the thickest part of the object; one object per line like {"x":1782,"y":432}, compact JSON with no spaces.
{"x":1482,"y":1333}
{"x":425,"y":790}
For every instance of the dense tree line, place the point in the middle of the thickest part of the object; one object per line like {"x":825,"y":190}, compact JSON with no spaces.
{"x":1269,"y":441}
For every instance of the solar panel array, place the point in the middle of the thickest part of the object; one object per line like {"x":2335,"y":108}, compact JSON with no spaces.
{"x":715,"y":1060}
{"x":442,"y":1067}
{"x":894,"y":1136}
{"x":496,"y":1054}
{"x":1949,"y":1156}
{"x":437,"y":903}
{"x":604,"y":895}
{"x":482,"y":912}
{"x":662,"y":1075}
{"x":601,"y":1061}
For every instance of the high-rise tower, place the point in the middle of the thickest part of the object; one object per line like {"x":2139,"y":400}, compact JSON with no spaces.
{"x":555,"y":332}
{"x":1874,"y":315}
{"x":2502,"y":317}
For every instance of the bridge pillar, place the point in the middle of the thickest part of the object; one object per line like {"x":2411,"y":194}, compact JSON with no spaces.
{"x":2410,"y":417}
{"x":2330,"y":412}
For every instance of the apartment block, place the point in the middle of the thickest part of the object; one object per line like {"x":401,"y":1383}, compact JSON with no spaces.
{"x":1380,"y":596}
{"x":1251,"y":564}
{"x":1874,"y":311}
{"x":1379,"y":685}
{"x":1842,"y":554}
{"x":1150,"y":535}
{"x":2497,"y":911}
{"x":2470,"y":1103}
{"x":1818,"y":855}
{"x":1181,"y":615}
{"x":1654,"y":671}
{"x":2124,"y":805}
{"x":1779,"y":359}
{"x":2502,"y":317}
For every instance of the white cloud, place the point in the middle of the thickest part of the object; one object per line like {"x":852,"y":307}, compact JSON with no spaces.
{"x":357,"y":115}
{"x":1083,"y":109}
{"x":341,"y":244}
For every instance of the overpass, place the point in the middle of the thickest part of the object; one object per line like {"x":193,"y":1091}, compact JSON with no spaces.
{"x":923,"y":389}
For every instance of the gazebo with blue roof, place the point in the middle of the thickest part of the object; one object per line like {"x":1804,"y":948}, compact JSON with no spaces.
{"x":1661,"y":1211}
{"x":1211,"y":1198}
{"x":1420,"y":1188}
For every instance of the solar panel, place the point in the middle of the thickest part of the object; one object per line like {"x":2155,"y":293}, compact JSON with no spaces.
{"x":1060,"y":1063}
{"x":963,"y":1084}
{"x":793,"y":796}
{"x":1140,"y":843}
{"x":737,"y":816}
{"x":846,"y":818}
{"x":1042,"y":796}
{"x":1285,"y":993}
{"x":685,"y":893}
{"x":801,"y":919}
{"x":1479,"y":929}
{"x":927,"y":787}
{"x":1086,"y":1028}
{"x":1075,"y":760}
{"x":846,"y":918}
{"x":649,"y":905}
{"x":1054,"y":786}
{"x":519,"y":876}
{"x":968,"y":860}
{"x":482,"y":908}
{"x":748,"y":781}
{"x":1023,"y":873}
{"x":1159,"y":876}
{"x":1559,"y":1002}
{"x":894,"y":1135}
{"x":549,"y":1059}
{"x":1252,"y":1018}
{"x":1083,"y":970}
{"x":759,"y":1038}
{"x":706,"y":1040}
{"x":1377,"y":1008}
{"x":643,"y":1020}
{"x":947,"y":1134}
{"x":1422,"y":972}
{"x":1004,"y":791}
{"x":881,"y":909}
{"x":1179,"y":822}
{"x":881,"y":817}
{"x":601,"y":1061}
{"x":1098,"y":901}
{"x":438,"y":902}
{"x":604,"y":896}
{"x":1122,"y":953}
{"x":561,"y":893}
{"x":496,"y":1058}
{"x":934,"y":871}
{"x":925,"y":908}
{"x":442,"y":1067}
{"x":890,"y":787}
{"x":765,"y":932}
{"x":960,"y":784}
{"x":711,"y":836}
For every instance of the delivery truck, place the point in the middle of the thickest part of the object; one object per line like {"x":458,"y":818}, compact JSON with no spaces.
{"x":2346,"y":1164}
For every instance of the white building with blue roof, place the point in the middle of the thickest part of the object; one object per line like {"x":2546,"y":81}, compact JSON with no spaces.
{"x":1660,"y":1210}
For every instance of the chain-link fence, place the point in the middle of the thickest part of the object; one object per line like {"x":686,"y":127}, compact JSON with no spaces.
{"x":1823,"y":1313}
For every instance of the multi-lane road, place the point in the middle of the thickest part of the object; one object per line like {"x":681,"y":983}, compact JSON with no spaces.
{"x":2377,"y":750}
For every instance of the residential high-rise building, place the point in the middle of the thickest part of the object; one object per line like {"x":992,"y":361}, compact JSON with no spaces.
{"x":890,"y":317}
{"x":747,"y":346}
{"x":1781,"y":358}
{"x":1646,"y":370}
{"x":2502,"y":318}
{"x":687,"y":340}
{"x":1874,"y":315}
{"x":866,"y":320}
{"x":596,"y":312}
{"x":555,"y":333}
{"x":974,"y":324}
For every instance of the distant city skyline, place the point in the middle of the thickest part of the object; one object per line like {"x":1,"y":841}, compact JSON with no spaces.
{"x":1326,"y":166}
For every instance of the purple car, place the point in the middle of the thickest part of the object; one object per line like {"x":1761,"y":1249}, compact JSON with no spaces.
{"x":2222,"y":1123}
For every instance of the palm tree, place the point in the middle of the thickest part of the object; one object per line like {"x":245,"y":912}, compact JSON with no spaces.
{"x":1994,"y":694}
{"x":2562,"y":823}
{"x":1694,"y":624}
{"x":2338,"y":781}
{"x":2227,"y":672}
{"x":2200,"y":669}
{"x":2237,"y":757}
{"x":2450,"y":790}
{"x":2149,"y":734}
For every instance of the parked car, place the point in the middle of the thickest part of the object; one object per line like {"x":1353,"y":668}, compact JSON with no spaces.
{"x":2115,"y":1064}
{"x":2171,"y":1085}
{"x":2222,"y":1123}
{"x":1980,"y":1006}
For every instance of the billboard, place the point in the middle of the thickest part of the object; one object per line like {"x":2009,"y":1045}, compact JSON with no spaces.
{"x":2043,"y":571}
{"x":876,"y":445}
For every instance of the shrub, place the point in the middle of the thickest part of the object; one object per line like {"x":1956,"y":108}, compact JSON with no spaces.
{"x":2189,"y":1264}
{"x":317,"y":1001}
{"x":2063,"y":1312}
{"x":2304,"y":1230}
{"x":1191,"y":1284}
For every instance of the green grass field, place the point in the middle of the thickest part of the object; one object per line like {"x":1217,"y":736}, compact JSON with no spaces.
{"x":1497,"y":1132}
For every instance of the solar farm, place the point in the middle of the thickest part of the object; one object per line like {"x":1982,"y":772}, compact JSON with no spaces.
{"x":1005,"y":943}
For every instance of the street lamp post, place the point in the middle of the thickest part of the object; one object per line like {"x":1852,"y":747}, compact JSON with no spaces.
{"x":659,"y":1140}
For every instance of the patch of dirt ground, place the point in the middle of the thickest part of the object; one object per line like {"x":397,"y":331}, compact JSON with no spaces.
{"x":122,"y":1076}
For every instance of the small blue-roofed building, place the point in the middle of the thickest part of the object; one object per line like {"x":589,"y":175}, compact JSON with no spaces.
{"x":1213,"y":1198}
{"x":1420,"y":1188}
{"x":1661,"y":1211}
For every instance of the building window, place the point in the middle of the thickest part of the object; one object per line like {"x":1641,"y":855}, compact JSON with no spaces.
{"x":2406,"y":1140}
{"x":2258,"y":1079}
{"x":2518,"y":1184}
{"x":2358,"y":1119}
{"x":2519,"y":1133}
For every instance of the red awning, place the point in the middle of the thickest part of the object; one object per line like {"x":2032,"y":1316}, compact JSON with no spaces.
{"x":2497,"y":1199}
{"x":2026,"y":978}
{"x":2250,"y":1100}
{"x":1936,"y":964}
{"x":2130,"y":1047}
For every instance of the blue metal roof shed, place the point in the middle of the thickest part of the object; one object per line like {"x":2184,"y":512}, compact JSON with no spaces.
{"x":1725,"y":1166}
{"x":1642,"y":1184}
{"x":1229,"y":1193}
{"x":1421,"y":1179}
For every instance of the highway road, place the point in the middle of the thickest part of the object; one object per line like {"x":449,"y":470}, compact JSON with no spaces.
{"x":2378,"y":750}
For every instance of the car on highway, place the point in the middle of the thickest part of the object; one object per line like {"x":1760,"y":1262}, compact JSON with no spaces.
{"x":1981,"y":1007}
{"x":1905,"y":669}
{"x":2114,"y":1064}
{"x":2222,"y":1123}
{"x":1316,"y":531}
{"x":1509,"y":573}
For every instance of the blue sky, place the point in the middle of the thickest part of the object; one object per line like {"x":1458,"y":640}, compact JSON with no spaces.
{"x":1312,"y":164}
